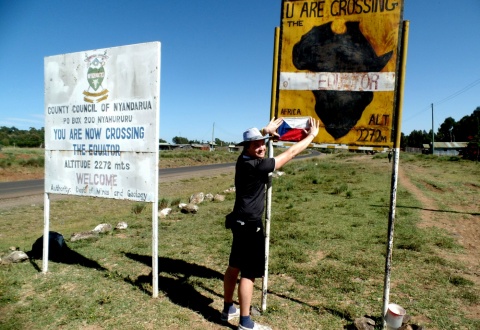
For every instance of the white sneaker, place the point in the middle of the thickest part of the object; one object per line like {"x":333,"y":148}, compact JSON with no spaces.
{"x":256,"y":326}
{"x":230,"y":316}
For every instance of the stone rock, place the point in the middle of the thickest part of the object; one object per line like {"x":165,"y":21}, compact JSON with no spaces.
{"x":103,"y":228}
{"x":364,"y":323}
{"x":229,"y":190}
{"x":219,"y":198}
{"x":208,"y":197}
{"x":13,"y":248}
{"x":406,"y":327}
{"x":182,"y":205}
{"x":164,"y":212}
{"x":121,"y":225}
{"x":276,"y":174}
{"x":406,"y":319}
{"x":197,"y":198}
{"x":255,"y":311}
{"x":15,"y":256}
{"x":83,"y":236}
{"x":190,"y":208}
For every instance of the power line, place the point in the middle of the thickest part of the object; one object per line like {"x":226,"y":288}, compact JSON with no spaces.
{"x":448,"y":98}
{"x":463,"y":90}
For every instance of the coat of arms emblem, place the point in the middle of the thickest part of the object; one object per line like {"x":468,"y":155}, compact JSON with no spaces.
{"x":95,"y":92}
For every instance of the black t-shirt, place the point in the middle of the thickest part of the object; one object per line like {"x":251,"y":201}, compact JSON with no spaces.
{"x":251,"y":176}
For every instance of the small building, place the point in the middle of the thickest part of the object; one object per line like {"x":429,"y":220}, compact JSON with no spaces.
{"x":234,"y":148}
{"x":212,"y":145}
{"x":445,"y":148}
{"x":200,"y":146}
{"x":172,"y":146}
{"x":165,"y":146}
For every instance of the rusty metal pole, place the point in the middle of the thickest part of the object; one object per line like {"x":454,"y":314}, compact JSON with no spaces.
{"x":393,"y":192}
{"x":268,"y":210}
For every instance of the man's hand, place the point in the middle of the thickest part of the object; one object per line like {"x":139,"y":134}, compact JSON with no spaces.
{"x":314,"y":127}
{"x":272,"y":126}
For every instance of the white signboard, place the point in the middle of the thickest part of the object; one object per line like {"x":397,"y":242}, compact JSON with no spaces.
{"x":102,"y":122}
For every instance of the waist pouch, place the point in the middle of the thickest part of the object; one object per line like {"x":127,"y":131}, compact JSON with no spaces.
{"x":229,"y":220}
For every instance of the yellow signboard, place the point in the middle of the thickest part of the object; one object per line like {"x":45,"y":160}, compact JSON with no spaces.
{"x":339,"y":63}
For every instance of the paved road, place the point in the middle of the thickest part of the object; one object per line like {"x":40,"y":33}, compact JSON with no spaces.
{"x":35,"y":187}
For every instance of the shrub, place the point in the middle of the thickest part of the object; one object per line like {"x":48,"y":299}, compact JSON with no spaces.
{"x":138,"y":208}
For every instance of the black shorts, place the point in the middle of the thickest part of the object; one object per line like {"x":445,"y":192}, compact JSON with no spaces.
{"x":248,"y":248}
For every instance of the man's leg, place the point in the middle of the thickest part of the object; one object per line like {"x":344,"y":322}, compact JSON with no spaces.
{"x":245,"y":293}
{"x":229,"y":311}
{"x":229,"y":283}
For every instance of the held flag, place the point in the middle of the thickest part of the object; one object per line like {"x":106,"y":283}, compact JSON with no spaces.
{"x":293,"y":129}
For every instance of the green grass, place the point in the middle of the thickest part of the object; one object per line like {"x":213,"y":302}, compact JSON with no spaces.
{"x":327,"y":253}
{"x":21,"y":157}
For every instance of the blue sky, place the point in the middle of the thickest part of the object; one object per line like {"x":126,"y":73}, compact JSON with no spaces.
{"x":216,"y":58}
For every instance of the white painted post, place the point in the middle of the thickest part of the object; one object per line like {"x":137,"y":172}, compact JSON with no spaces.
{"x":393,"y":192}
{"x":46,"y":231}
{"x":268,"y":213}
{"x":391,"y":227}
{"x":155,"y":247}
{"x":268,"y":216}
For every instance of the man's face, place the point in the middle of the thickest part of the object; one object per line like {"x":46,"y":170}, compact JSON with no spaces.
{"x":256,"y":149}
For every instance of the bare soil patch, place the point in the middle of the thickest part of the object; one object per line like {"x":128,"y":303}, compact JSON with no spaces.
{"x":20,"y":174}
{"x":462,"y":223}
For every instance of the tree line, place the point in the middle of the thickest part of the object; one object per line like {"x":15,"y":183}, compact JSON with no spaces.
{"x":12,"y":136}
{"x":184,"y":140}
{"x":466,"y":129}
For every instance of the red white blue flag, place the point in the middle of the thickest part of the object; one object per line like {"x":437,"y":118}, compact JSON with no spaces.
{"x":293,"y":129}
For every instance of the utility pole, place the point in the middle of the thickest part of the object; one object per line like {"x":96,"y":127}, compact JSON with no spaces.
{"x":213,"y":141}
{"x":433,"y":135}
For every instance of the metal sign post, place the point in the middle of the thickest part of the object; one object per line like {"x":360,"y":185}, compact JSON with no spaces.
{"x":46,"y":230}
{"x":396,"y":158}
{"x":268,"y":211}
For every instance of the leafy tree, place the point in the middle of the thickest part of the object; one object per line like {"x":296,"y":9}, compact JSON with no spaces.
{"x":219,"y":142}
{"x":180,"y":140}
{"x":444,"y":133}
{"x":467,"y":129}
{"x":162,"y":141}
{"x":32,"y":138}
{"x":403,"y":140}
{"x":416,"y":139}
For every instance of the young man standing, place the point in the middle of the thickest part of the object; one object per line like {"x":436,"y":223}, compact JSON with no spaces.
{"x":247,"y":256}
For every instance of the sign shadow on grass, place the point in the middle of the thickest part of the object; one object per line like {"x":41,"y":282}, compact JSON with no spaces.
{"x":180,"y":292}
{"x":431,"y":210}
{"x":59,"y":252}
{"x":68,"y":257}
{"x":177,"y":288}
{"x":338,"y":313}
